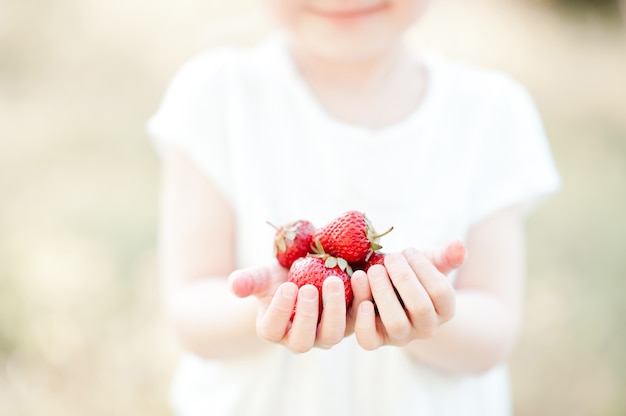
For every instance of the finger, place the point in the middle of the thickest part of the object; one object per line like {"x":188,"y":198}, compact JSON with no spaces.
{"x":273,"y":323}
{"x":241,"y":283}
{"x":301,"y":336}
{"x":449,"y":258}
{"x":360,"y":287}
{"x":415,"y":297}
{"x":365,"y":328}
{"x":257,"y":281}
{"x":361,"y":291}
{"x":392,"y":314}
{"x":333,"y":321}
{"x":439,"y":288}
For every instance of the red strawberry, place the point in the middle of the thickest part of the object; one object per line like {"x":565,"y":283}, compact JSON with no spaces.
{"x":376,"y":257}
{"x":313,"y":270}
{"x":350,"y":236}
{"x":292,"y":241}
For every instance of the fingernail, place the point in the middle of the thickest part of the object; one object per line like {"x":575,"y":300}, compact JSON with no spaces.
{"x":460,"y":251}
{"x":288,"y":291}
{"x":358,"y":274}
{"x":334,"y":285}
{"x":364,"y":308}
{"x":394,"y":257}
{"x":308,"y":292}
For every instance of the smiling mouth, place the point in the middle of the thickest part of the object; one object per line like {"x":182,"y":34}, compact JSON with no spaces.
{"x":349,"y":13}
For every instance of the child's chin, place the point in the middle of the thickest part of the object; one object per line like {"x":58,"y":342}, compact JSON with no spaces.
{"x":348,"y":48}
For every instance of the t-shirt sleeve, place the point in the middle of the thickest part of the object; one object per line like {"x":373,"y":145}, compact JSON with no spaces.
{"x":514,"y":163}
{"x":190,"y":117}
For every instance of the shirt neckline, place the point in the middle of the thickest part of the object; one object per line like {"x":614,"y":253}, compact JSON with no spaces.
{"x":411,"y":123}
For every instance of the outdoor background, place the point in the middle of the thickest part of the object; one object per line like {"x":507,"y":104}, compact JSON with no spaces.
{"x":81,"y":329}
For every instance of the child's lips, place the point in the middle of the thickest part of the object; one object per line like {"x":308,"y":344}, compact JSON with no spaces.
{"x":352,"y":13}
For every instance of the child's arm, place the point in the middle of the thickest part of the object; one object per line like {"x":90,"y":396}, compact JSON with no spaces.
{"x":197,"y":254}
{"x":487,"y":305}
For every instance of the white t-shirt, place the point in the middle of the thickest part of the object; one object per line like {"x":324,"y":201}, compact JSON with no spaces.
{"x":474,"y":146}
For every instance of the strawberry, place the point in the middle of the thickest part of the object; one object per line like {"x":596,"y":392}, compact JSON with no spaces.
{"x":313,"y":270}
{"x":292,"y":241}
{"x":376,"y":257}
{"x":351,"y":236}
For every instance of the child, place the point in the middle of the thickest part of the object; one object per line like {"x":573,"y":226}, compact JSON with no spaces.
{"x":334,"y":113}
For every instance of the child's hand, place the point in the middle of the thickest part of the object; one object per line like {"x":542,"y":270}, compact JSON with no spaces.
{"x":277,"y":299}
{"x":428,"y":298}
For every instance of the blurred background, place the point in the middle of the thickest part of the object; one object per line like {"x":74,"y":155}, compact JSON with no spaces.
{"x":81,"y":328}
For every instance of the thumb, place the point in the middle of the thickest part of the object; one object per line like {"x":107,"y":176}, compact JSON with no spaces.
{"x":255,"y":281}
{"x":451,"y":257}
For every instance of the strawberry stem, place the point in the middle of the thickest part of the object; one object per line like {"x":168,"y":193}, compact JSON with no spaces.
{"x":376,"y":236}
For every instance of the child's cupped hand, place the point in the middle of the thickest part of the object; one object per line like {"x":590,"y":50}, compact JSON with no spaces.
{"x":277,"y":298}
{"x":377,"y":316}
{"x":410,"y":296}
